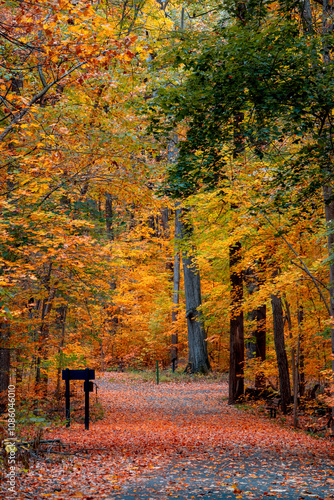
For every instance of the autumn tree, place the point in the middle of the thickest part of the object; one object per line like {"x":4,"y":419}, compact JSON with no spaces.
{"x":68,"y":140}
{"x":272,"y":63}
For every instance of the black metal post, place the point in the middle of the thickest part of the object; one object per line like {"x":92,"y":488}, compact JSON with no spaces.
{"x":67,"y":397}
{"x":86,"y":387}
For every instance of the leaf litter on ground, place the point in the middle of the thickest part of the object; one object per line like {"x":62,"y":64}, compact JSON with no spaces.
{"x":179,"y":440}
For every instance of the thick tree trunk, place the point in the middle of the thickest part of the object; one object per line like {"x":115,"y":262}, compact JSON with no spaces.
{"x":4,"y":365}
{"x":256,"y":346}
{"x":176,"y":288}
{"x":198,"y":361}
{"x":237,"y":342}
{"x":328,"y":193}
{"x":293,"y":351}
{"x":329,"y":214}
{"x":237,"y":348}
{"x":282,"y":360}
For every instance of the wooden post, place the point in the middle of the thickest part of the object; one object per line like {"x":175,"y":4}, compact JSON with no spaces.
{"x":157,"y":372}
{"x":67,"y":397}
{"x":85,"y":375}
{"x":86,"y":387}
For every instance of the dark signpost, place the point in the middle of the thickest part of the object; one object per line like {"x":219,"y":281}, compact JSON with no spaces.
{"x":85,"y":375}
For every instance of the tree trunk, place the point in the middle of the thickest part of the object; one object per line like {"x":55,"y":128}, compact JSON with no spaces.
{"x":301,"y":371}
{"x":176,"y":288}
{"x":300,"y":314}
{"x":237,"y":348}
{"x":257,"y":346}
{"x":293,"y":351}
{"x":261,"y":318}
{"x":282,"y":360}
{"x":42,"y":374}
{"x":329,"y":214}
{"x":109,"y":217}
{"x":198,"y":355}
{"x":328,"y":194}
{"x":61,"y":323}
{"x":4,"y":365}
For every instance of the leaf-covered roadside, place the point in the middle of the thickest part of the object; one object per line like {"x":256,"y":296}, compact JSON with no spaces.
{"x":162,"y":434}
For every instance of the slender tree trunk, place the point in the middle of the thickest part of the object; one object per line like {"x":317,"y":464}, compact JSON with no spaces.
{"x":237,"y":348}
{"x":198,"y":355}
{"x":4,"y":365}
{"x":109,"y":217}
{"x":282,"y":360}
{"x":18,"y":372}
{"x":61,"y":323}
{"x":261,"y":331}
{"x":295,"y":384}
{"x":164,"y":221}
{"x":296,"y":381}
{"x":301,"y":371}
{"x":252,"y":286}
{"x":102,"y":356}
{"x":176,"y":288}
{"x":42,"y":375}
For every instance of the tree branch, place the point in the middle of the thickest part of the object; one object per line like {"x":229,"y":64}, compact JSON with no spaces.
{"x":305,"y":268}
{"x":18,"y":116}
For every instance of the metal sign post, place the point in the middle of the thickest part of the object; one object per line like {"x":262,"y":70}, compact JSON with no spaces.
{"x":85,"y":375}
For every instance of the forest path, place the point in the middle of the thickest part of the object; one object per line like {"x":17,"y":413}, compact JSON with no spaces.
{"x":181,"y":440}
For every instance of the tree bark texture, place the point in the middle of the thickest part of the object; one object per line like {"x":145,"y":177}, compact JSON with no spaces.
{"x":328,"y":194}
{"x":282,"y":360}
{"x":258,"y":348}
{"x":293,"y":351}
{"x":198,"y":355}
{"x":237,"y":347}
{"x":329,"y":214}
{"x":176,"y":287}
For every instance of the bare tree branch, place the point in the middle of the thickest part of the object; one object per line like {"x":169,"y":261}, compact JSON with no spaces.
{"x":18,"y":116}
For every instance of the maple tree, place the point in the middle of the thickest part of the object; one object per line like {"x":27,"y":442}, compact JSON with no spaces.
{"x":62,"y":152}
